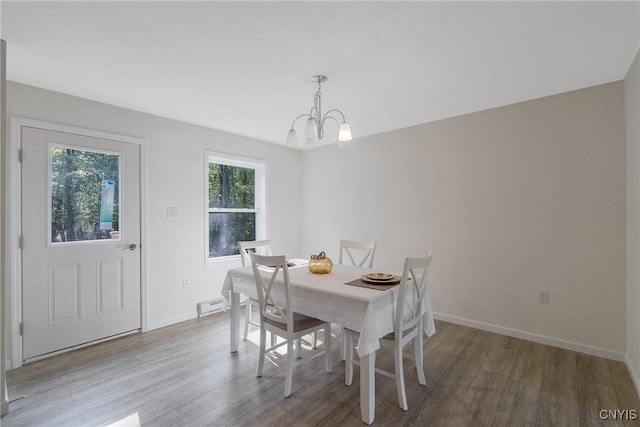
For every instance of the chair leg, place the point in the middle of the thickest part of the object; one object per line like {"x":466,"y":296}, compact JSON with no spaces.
{"x":247,"y":320}
{"x":417,"y":350}
{"x":327,"y":347}
{"x":263,"y":343}
{"x":315,"y":340}
{"x":348,"y":368}
{"x":399,"y":374}
{"x":343,"y":344}
{"x":290,"y":363}
{"x":299,"y":348}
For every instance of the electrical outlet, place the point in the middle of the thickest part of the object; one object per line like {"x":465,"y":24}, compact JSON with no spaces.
{"x":186,"y":282}
{"x":543,"y":297}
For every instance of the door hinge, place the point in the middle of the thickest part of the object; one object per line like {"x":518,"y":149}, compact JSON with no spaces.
{"x":20,"y":242}
{"x":21,"y":328}
{"x":20,"y":155}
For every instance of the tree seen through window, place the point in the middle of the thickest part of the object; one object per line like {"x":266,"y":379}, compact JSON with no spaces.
{"x":232,"y":208}
{"x":77,"y":178}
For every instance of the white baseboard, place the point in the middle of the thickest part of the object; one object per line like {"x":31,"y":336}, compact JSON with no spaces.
{"x":635,"y":375}
{"x":541,"y":339}
{"x":171,"y":321}
{"x":4,"y":405}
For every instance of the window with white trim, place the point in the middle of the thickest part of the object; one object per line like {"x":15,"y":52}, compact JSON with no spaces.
{"x":235,"y":203}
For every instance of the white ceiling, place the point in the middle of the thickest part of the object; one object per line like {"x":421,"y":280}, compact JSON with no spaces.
{"x":245,"y":67}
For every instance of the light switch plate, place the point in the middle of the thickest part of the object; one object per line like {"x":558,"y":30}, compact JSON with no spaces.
{"x":172,"y":213}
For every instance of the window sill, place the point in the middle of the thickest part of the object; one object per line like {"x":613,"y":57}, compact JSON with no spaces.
{"x":221,"y":259}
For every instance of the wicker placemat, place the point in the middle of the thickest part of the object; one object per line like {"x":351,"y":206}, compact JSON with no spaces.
{"x":363,"y":284}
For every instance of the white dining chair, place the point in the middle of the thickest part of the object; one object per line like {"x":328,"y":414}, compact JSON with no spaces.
{"x":363,"y":251}
{"x":262,"y":247}
{"x":357,"y":253}
{"x":277,"y":317}
{"x":408,"y":326}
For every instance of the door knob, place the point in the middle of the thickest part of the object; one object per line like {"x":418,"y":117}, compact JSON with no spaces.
{"x":132,"y":247}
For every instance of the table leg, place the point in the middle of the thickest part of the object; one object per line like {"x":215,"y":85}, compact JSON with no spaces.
{"x":235,"y":321}
{"x":368,"y":387}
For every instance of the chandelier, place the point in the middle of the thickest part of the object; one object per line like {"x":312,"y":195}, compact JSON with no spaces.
{"x":314,"y":128}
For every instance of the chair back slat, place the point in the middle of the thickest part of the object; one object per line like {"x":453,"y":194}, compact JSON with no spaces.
{"x":363,"y":250}
{"x":261,"y":247}
{"x":410,"y":301}
{"x":273,"y":294}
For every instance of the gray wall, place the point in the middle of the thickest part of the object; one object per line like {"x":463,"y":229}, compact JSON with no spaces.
{"x":632,"y":109}
{"x":510,"y":200}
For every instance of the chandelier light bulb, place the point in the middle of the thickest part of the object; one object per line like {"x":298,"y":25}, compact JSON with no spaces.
{"x":292,"y":138}
{"x":310,"y":129}
{"x":344,"y":133}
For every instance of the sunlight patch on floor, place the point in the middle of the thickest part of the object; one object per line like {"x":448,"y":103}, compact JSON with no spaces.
{"x":254,"y":338}
{"x":132,"y":420}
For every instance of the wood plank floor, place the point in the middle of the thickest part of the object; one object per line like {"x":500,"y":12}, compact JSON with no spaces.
{"x":184,"y":375}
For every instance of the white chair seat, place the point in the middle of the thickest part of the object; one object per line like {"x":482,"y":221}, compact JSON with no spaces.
{"x":300,"y":322}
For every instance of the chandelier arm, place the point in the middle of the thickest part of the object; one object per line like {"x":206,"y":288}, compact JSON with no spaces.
{"x":326,"y":115}
{"x":301,"y":115}
{"x":329,"y":117}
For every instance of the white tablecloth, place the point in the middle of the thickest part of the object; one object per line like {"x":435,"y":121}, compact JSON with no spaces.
{"x":327,"y":297}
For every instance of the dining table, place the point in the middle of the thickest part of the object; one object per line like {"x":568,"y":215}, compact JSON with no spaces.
{"x":369,"y":311}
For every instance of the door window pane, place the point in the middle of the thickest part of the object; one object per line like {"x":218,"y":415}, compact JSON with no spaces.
{"x":85,"y":195}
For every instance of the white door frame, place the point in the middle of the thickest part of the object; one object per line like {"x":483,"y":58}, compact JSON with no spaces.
{"x":14,"y":227}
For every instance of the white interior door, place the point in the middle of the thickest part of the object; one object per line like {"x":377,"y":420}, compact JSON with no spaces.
{"x":80,"y":240}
